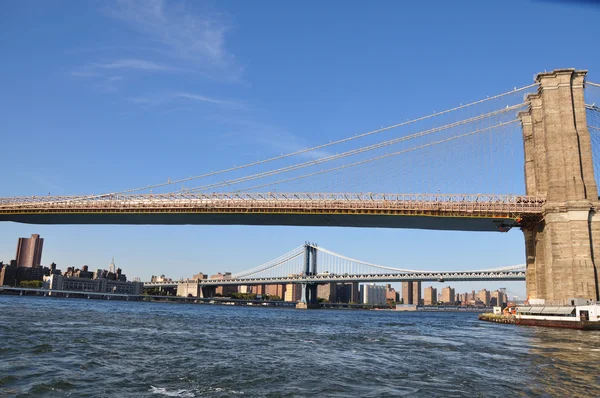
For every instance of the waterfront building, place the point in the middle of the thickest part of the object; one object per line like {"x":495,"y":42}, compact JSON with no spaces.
{"x":327,"y":292}
{"x":390,"y":293}
{"x":189,"y":288}
{"x":411,"y":292}
{"x":463,"y":298}
{"x":199,"y":276}
{"x":8,"y":274}
{"x":31,"y":274}
{"x":29,"y":251}
{"x":430,"y":297}
{"x":293,"y":292}
{"x":225,"y":290}
{"x":348,"y":293}
{"x":448,"y":295}
{"x":158,"y":279}
{"x":259,"y":290}
{"x":219,"y":275}
{"x":372,"y":294}
{"x":416,"y":290}
{"x":498,"y":298}
{"x":275,"y":290}
{"x":407,"y":292}
{"x":484,"y":297}
{"x":102,"y":285}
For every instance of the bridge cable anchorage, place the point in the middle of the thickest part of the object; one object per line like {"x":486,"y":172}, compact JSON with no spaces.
{"x":250,"y":178}
{"x":171,"y":182}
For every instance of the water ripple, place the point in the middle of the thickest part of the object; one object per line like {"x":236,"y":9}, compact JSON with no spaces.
{"x":93,"y":348}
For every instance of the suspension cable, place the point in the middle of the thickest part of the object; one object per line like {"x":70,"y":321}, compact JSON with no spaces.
{"x":353,"y":152}
{"x":235,"y":168}
{"x":269,"y":264}
{"x":371,"y":159}
{"x":319,"y":248}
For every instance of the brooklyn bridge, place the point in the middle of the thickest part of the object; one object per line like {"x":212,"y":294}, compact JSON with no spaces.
{"x":548,"y":129}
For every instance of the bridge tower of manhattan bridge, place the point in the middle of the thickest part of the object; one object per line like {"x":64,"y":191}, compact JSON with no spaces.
{"x":563,"y":250}
{"x":309,"y":290}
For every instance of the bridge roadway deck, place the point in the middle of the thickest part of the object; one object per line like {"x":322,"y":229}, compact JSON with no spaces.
{"x":421,"y":276}
{"x":440,"y":212}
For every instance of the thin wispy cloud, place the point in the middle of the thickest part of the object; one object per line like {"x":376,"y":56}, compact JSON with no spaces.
{"x":181,"y":34}
{"x":173,"y":39}
{"x":280,"y":141}
{"x":155,"y":100}
{"x":134,"y":64}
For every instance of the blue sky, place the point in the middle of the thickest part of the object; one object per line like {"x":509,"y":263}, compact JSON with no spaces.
{"x":104,"y":96}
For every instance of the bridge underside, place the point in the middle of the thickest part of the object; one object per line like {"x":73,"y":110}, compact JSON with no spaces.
{"x":326,"y":220}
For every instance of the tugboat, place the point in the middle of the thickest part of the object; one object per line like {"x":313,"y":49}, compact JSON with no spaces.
{"x":582,"y":314}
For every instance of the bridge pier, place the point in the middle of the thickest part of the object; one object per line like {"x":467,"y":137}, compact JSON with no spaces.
{"x":563,"y":250}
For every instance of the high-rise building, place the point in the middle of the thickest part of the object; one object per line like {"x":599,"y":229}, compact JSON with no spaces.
{"x":484,"y":297}
{"x":448,"y":295}
{"x":390,"y":293}
{"x":411,"y":292}
{"x":275,"y":290}
{"x":430,"y":296}
{"x":111,"y":267}
{"x":407,"y":292}
{"x":347,"y":293}
{"x":498,"y":298}
{"x":373,"y":294}
{"x":293,"y":292}
{"x":327,"y":292}
{"x":29,"y":251}
{"x":416,"y":290}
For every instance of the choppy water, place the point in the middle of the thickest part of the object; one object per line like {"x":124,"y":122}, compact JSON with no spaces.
{"x":92,"y":348}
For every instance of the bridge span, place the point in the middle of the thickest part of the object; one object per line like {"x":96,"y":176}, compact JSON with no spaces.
{"x":451,"y":276}
{"x":446,"y":212}
{"x":559,"y":214}
{"x":312,"y":265}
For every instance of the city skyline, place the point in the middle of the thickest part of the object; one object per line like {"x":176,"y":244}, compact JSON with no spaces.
{"x":415,"y":293}
{"x":212,"y":95}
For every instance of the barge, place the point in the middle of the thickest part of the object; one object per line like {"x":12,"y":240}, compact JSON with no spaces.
{"x":583,"y":317}
{"x":581,"y":314}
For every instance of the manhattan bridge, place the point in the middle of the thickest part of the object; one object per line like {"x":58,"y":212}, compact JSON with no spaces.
{"x":526,"y":158}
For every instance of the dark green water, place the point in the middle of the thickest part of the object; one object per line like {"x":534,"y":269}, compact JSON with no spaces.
{"x":92,"y":348}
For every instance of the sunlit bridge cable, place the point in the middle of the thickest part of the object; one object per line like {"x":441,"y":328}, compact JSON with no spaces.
{"x":362,"y":161}
{"x":235,"y":168}
{"x":354,"y":151}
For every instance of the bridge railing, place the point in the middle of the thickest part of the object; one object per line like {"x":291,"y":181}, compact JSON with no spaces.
{"x":334,"y":201}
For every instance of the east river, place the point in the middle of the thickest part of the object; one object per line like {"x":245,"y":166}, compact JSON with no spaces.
{"x":95,"y":348}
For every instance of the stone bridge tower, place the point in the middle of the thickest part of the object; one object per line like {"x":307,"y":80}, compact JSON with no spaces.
{"x":563,"y":250}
